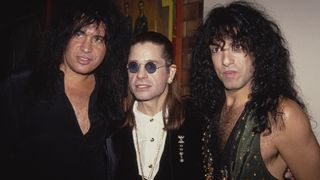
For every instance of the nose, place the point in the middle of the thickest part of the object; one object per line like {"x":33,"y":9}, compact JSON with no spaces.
{"x":227,"y":57}
{"x":86,"y":45}
{"x":142,"y":73}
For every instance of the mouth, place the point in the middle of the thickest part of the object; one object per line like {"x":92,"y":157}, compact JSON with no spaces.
{"x":83,"y":60}
{"x":229,"y":73}
{"x":142,"y":86}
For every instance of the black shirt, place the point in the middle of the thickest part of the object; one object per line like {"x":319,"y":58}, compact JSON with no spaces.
{"x":42,"y":138}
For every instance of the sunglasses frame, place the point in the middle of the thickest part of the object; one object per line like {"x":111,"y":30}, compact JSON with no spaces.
{"x":147,"y":67}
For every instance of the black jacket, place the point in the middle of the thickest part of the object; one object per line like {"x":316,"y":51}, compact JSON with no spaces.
{"x":173,"y":166}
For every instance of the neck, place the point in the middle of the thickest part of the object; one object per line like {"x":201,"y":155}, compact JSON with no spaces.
{"x":150,"y":108}
{"x":74,"y":76}
{"x":80,"y":83}
{"x":235,"y":102}
{"x":236,"y":98}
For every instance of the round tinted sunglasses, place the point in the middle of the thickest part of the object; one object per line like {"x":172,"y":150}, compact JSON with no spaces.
{"x":150,"y":67}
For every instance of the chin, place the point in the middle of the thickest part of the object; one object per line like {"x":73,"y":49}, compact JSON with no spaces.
{"x":143,"y":98}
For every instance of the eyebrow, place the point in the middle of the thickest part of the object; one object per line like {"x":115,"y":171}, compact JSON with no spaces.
{"x":147,"y":60}
{"x":99,"y":36}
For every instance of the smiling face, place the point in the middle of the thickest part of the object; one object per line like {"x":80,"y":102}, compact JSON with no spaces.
{"x":85,"y":51}
{"x":232,"y":65}
{"x":145,"y":86}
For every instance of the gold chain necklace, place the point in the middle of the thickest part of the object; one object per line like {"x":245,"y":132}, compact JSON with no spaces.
{"x":139,"y":155}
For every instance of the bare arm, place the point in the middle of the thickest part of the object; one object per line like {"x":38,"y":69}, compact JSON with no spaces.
{"x":297,"y":143}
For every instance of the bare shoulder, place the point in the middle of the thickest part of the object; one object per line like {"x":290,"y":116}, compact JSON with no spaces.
{"x":293,"y":114}
{"x":295,"y":119}
{"x":295,"y":123}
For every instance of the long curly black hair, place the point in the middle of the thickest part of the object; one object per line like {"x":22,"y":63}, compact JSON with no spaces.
{"x":273,"y":78}
{"x":111,"y":74}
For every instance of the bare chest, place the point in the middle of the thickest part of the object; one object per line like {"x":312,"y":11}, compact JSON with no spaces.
{"x":228,"y":119}
{"x":80,"y":105}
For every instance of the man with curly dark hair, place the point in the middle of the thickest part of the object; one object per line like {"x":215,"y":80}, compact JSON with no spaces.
{"x":57,"y":117}
{"x":242,"y":80}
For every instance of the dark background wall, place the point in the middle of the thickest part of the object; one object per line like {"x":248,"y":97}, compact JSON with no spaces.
{"x":21,"y":26}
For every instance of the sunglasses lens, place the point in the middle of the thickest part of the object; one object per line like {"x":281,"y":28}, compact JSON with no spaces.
{"x":133,"y":67}
{"x":150,"y":67}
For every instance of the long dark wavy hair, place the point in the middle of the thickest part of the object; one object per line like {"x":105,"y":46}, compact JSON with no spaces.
{"x":173,"y":102}
{"x":260,"y":36}
{"x":111,"y":74}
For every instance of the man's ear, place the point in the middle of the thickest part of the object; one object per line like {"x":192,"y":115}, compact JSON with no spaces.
{"x":172,"y":73}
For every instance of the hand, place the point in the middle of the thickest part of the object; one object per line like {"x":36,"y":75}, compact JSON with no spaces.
{"x":288,"y":175}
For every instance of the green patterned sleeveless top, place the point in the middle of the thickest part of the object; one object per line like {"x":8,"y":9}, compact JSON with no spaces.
{"x":241,"y":158}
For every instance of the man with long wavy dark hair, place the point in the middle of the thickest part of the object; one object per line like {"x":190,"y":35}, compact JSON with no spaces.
{"x":243,"y":82}
{"x":56,"y":117}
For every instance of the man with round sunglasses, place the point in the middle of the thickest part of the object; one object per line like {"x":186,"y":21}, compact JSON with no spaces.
{"x":159,"y":139}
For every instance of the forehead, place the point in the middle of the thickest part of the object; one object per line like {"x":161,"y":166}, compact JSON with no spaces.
{"x":146,"y":51}
{"x":99,"y":29}
{"x":224,"y":31}
{"x":222,"y":43}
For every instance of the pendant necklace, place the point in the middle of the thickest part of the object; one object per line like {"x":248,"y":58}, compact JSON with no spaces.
{"x":156,"y":157}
